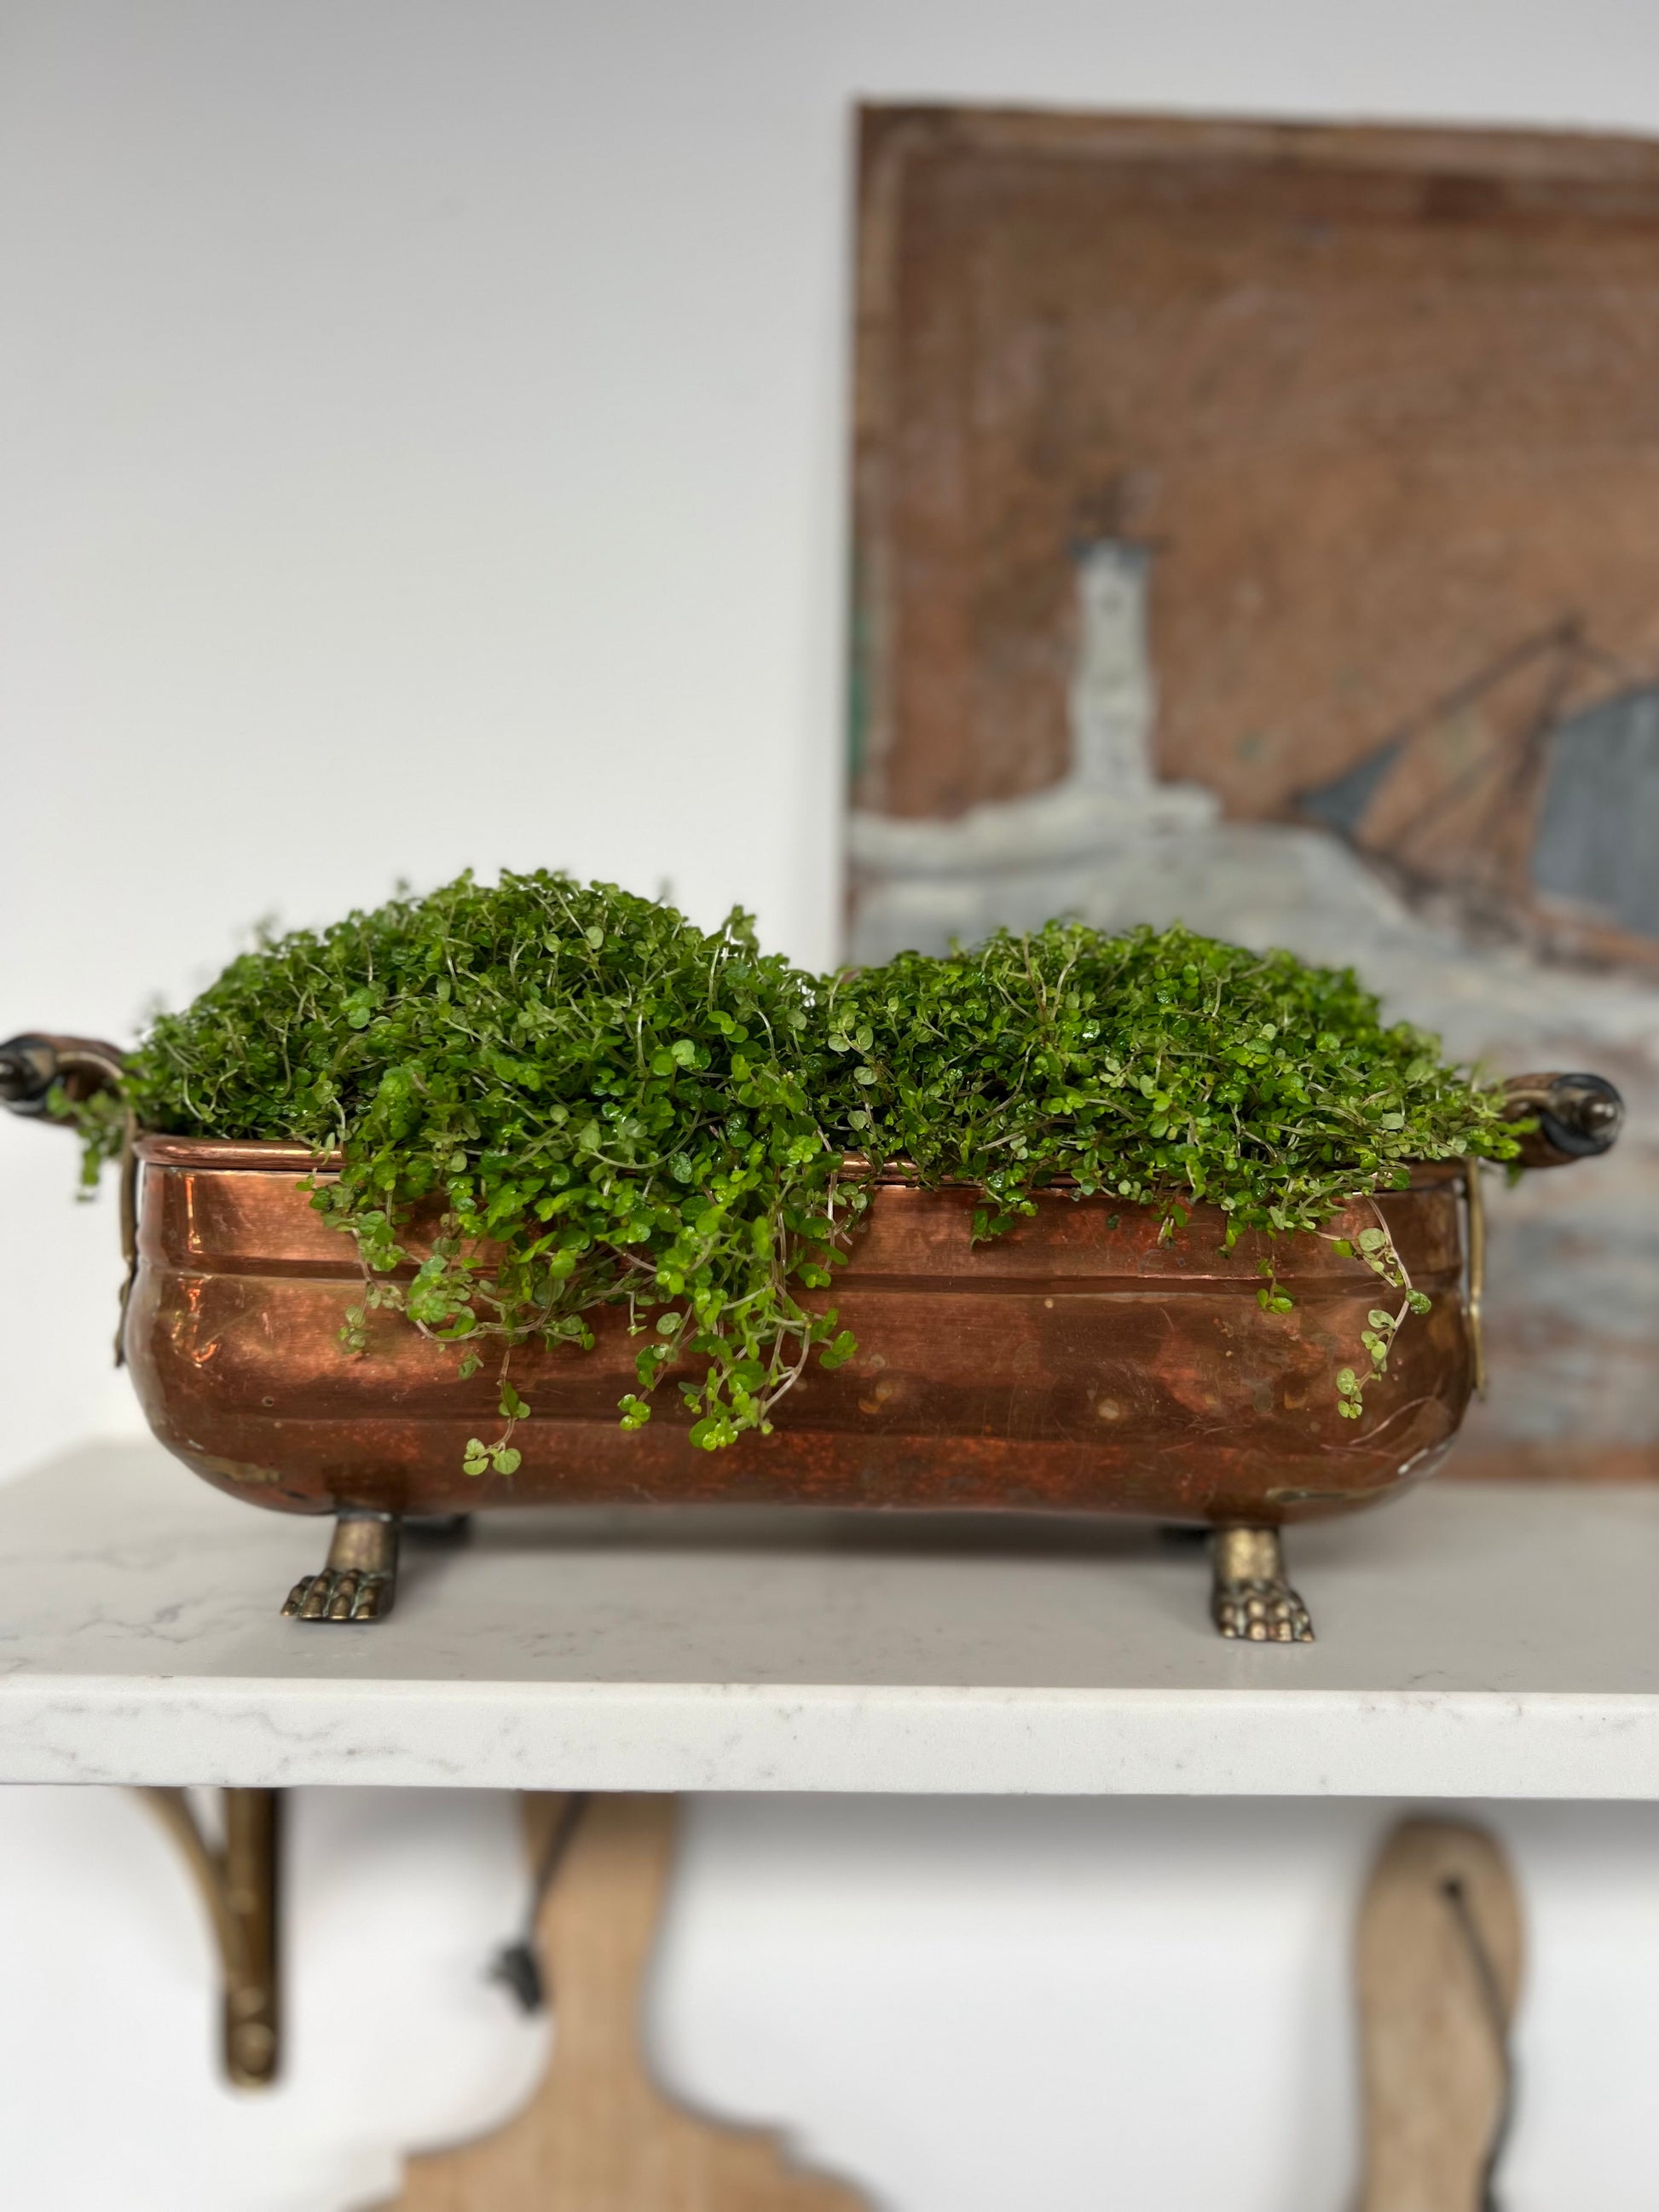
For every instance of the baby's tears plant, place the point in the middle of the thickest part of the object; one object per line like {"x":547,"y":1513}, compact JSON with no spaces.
{"x":1163,"y":1068}
{"x":583,"y":1100}
{"x":549,"y":1096}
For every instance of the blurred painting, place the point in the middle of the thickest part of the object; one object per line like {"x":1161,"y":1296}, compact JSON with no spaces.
{"x":1258,"y":526}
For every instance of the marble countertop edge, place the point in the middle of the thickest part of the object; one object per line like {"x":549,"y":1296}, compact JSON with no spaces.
{"x":1474,"y":1641}
{"x":1458,"y":1744}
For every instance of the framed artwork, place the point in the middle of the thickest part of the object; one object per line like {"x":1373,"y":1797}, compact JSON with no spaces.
{"x":1258,"y":526}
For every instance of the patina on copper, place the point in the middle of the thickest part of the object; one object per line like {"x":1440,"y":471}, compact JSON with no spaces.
{"x":1085,"y":1361}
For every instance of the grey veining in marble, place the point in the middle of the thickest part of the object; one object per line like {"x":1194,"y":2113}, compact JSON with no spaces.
{"x":1473,"y":1641}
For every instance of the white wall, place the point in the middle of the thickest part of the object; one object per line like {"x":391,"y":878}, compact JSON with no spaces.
{"x":421,"y":433}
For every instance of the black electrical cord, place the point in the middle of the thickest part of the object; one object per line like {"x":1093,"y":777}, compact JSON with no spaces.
{"x":1492,"y":1998}
{"x":518,"y":1966}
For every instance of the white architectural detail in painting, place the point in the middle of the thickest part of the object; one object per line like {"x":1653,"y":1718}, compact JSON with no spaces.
{"x":1114,"y":694}
{"x":1110,"y":798}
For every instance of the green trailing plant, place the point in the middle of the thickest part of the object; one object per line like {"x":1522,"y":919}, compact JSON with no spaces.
{"x":546,"y":1097}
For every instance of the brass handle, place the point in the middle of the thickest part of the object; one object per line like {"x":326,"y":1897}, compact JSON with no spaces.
{"x":29,"y":1067}
{"x":1578,"y":1117}
{"x":31,"y":1064}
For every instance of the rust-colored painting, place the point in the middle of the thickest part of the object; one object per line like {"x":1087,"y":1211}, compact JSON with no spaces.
{"x":1260,"y":524}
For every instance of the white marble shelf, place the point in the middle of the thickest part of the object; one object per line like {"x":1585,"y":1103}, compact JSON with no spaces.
{"x":1477,"y":1641}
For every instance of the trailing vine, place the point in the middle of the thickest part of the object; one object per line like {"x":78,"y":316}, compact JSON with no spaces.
{"x":545,"y":1098}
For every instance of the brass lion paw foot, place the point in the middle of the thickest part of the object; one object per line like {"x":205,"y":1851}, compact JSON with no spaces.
{"x":1261,"y":1612}
{"x":360,"y":1579}
{"x":1251,"y":1599}
{"x":350,"y":1597}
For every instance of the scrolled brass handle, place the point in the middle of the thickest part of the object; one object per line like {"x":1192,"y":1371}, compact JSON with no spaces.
{"x":31,"y":1064}
{"x":1578,"y":1117}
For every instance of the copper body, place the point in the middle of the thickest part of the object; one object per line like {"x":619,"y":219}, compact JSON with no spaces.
{"x":1077,"y":1363}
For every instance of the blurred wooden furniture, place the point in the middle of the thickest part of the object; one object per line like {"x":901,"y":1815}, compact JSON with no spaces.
{"x":1438,"y":1967}
{"x":599,"y":2136}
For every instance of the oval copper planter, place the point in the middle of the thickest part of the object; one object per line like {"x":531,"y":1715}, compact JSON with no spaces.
{"x":1077,"y":1363}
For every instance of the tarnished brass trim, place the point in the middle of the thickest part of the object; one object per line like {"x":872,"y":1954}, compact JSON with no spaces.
{"x":238,"y":1885}
{"x":129,"y":1233}
{"x":1477,"y":1206}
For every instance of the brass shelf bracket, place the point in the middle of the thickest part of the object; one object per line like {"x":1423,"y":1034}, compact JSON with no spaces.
{"x":237,"y":1883}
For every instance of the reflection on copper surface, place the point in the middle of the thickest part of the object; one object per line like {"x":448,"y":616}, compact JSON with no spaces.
{"x":1079,"y":1362}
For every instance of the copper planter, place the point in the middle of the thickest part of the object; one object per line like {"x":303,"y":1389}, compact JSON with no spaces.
{"x":1077,"y":1363}
{"x":1084,"y":1362}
